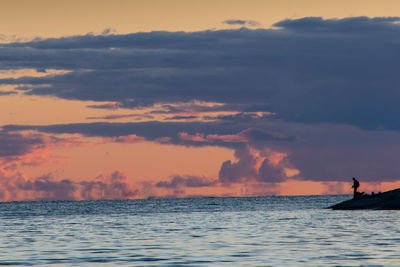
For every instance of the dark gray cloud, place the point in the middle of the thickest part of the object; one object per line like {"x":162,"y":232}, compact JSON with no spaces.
{"x":8,"y":93}
{"x":16,"y":144}
{"x":186,"y":181}
{"x":53,"y":190}
{"x":110,"y":106}
{"x":241,"y":22}
{"x":310,"y":70}
{"x":344,"y":25}
{"x":182,"y":118}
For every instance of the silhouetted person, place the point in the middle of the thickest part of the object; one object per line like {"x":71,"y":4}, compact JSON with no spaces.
{"x":356,"y":185}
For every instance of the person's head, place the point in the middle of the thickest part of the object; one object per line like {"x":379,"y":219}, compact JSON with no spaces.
{"x":354,"y":178}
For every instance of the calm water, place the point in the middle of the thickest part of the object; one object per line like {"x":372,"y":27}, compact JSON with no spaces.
{"x":264,"y":231}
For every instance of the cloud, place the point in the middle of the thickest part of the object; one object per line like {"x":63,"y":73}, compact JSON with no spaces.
{"x":108,"y":31}
{"x":51,"y":189}
{"x":229,"y":138}
{"x":132,"y":138}
{"x":245,"y":136}
{"x":194,"y":138}
{"x":241,"y":22}
{"x":3,"y":93}
{"x":15,"y":186}
{"x":186,"y":181}
{"x":137,"y":117}
{"x":254,"y":166}
{"x":192,"y":107}
{"x":113,"y":186}
{"x":324,"y":152}
{"x":182,"y":133}
{"x":31,"y":148}
{"x":232,"y":140}
{"x":182,"y":118}
{"x":308,"y":70}
{"x":16,"y":144}
{"x":111,"y":106}
{"x":323,"y":91}
{"x":326,"y":26}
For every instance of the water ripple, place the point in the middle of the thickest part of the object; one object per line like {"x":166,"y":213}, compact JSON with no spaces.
{"x":269,"y":231}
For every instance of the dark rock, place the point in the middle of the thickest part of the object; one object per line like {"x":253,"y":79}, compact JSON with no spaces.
{"x":389,"y":200}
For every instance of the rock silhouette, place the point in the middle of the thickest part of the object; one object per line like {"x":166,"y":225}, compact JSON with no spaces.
{"x":389,"y":200}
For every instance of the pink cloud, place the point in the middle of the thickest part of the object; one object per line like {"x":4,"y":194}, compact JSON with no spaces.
{"x":15,"y":186}
{"x":229,"y":138}
{"x":255,"y":165}
{"x":132,"y":138}
{"x":113,"y":186}
{"x":31,"y":148}
{"x":13,"y":145}
{"x":245,"y":136}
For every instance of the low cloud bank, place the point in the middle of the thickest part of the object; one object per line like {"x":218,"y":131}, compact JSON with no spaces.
{"x":17,"y":187}
{"x":187,"y":181}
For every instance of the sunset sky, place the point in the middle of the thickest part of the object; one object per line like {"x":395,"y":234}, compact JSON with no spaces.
{"x":135,"y":99}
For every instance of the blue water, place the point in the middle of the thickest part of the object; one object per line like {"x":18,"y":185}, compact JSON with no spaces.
{"x":262,"y":231}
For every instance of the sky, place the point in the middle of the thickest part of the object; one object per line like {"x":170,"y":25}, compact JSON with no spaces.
{"x":136,"y":99}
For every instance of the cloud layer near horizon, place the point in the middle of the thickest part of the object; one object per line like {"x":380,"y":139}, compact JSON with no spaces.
{"x":17,"y":187}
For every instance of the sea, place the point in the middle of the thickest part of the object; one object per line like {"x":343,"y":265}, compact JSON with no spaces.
{"x":245,"y":231}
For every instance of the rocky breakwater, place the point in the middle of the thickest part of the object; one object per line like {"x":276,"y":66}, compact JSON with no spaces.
{"x":389,"y":200}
